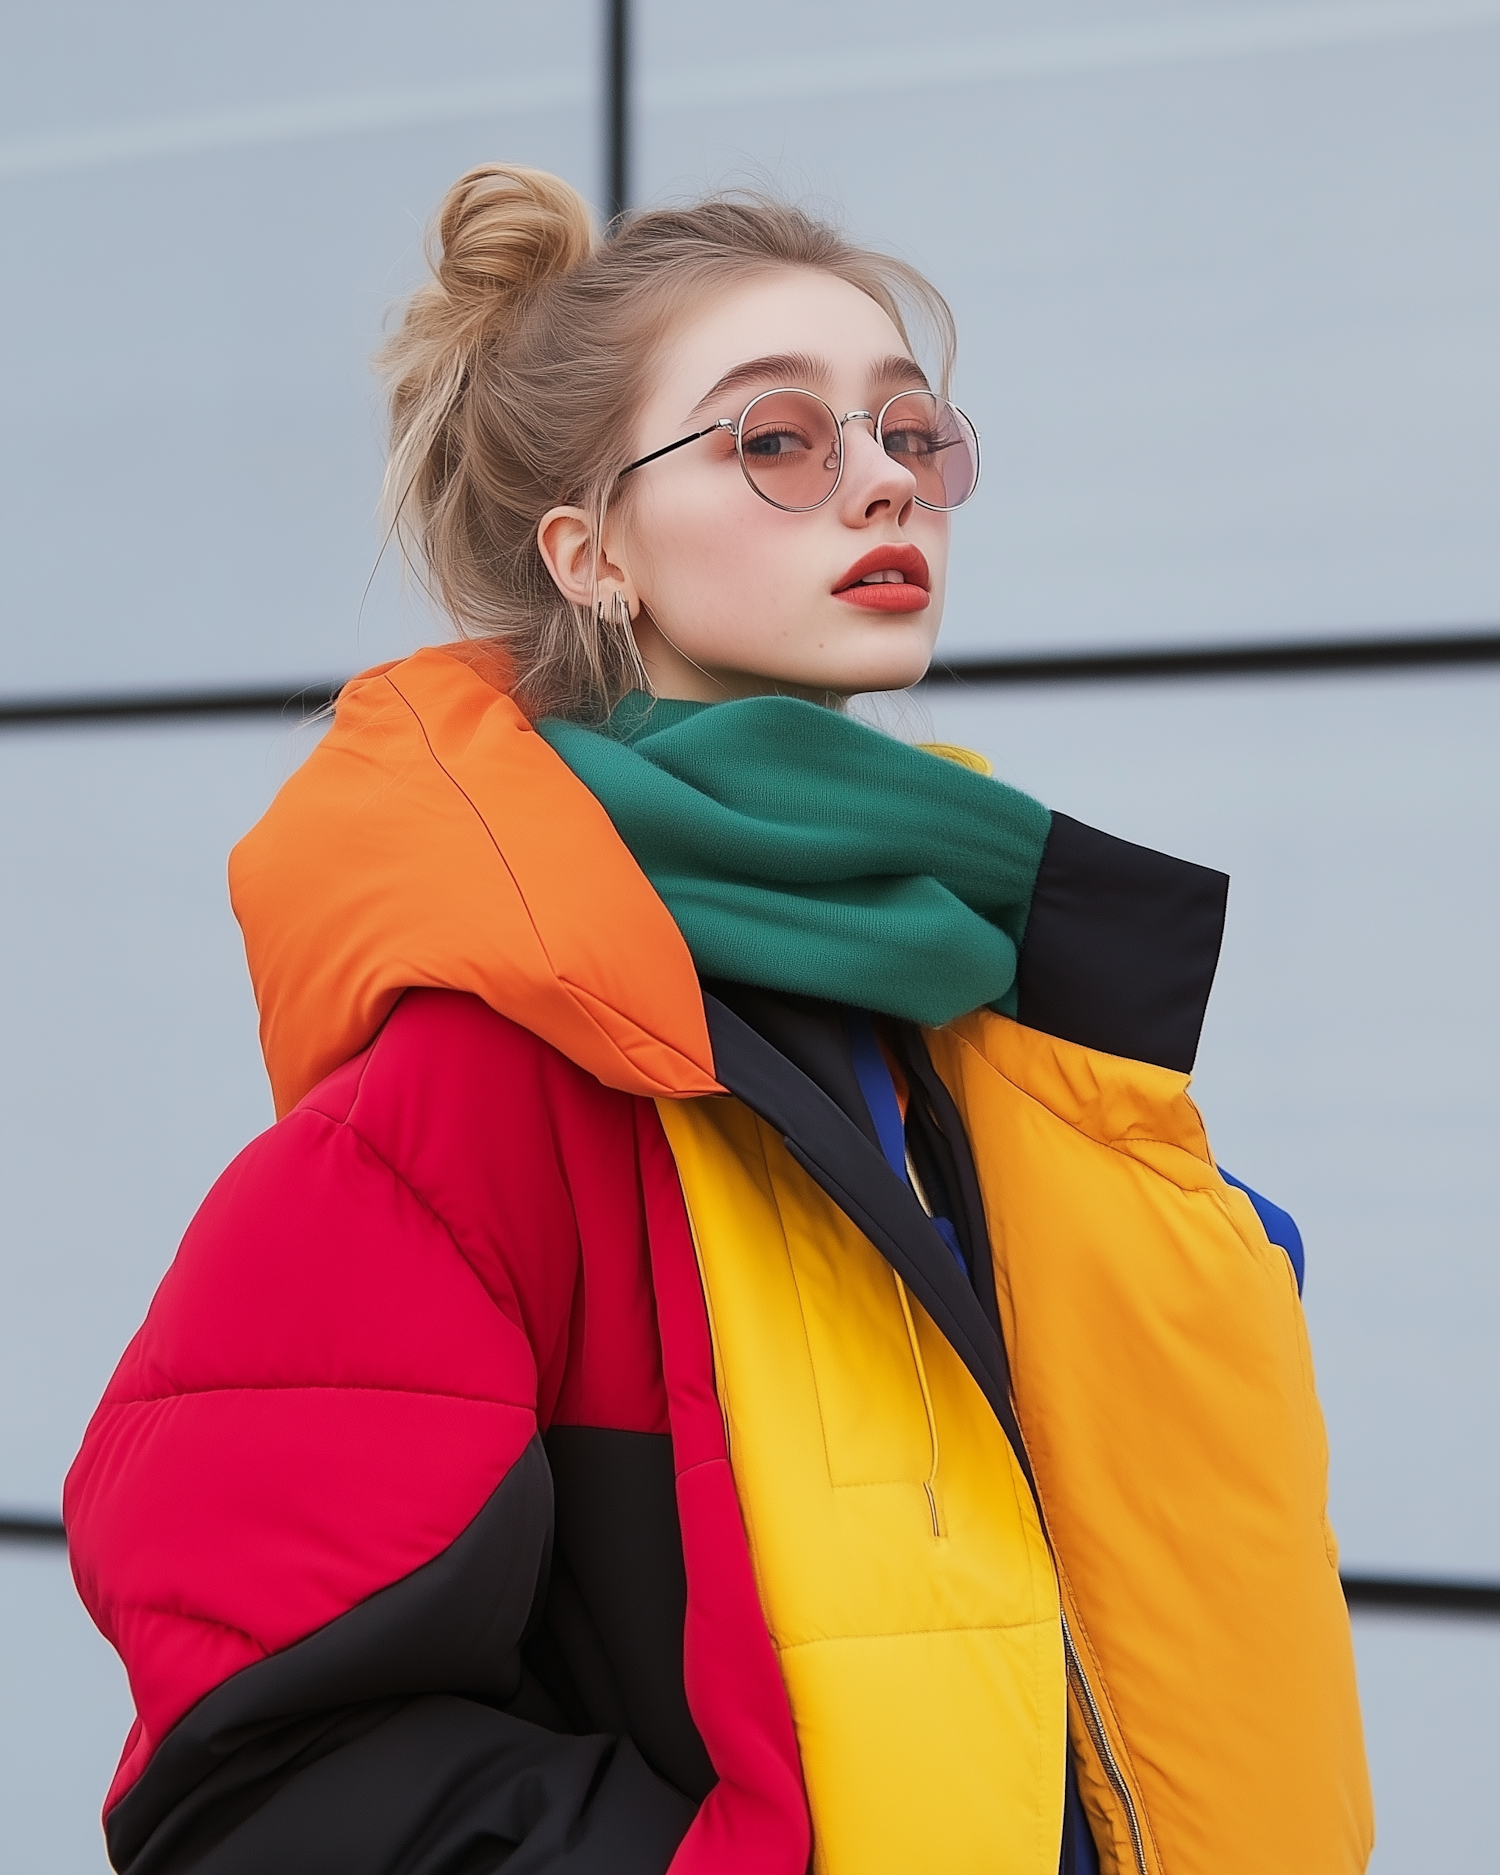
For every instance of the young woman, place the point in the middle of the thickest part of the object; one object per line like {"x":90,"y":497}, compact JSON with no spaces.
{"x":737,"y":1352}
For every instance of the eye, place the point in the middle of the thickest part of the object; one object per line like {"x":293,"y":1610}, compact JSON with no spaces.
{"x":912,"y":439}
{"x":774,"y":440}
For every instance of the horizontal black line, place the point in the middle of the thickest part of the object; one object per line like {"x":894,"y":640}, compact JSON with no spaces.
{"x":1424,"y":650}
{"x":1361,"y":1591}
{"x":1442,"y":1598}
{"x":293,"y":700}
{"x":22,"y":1529}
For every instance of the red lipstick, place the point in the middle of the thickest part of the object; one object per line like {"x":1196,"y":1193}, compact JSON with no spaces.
{"x":887,"y":579}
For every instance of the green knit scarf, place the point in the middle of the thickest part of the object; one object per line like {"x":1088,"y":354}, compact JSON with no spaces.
{"x":799,"y":850}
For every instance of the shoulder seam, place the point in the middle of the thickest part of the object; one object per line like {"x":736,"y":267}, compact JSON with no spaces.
{"x":365,"y":1057}
{"x":356,"y":1133}
{"x":362,"y":1140}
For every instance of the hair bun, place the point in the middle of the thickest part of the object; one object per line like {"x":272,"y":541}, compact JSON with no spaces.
{"x":503,"y":229}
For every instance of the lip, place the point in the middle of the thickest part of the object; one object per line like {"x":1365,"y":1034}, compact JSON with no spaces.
{"x":910,"y":594}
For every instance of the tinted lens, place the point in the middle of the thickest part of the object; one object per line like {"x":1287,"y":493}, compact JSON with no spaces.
{"x":789,"y":444}
{"x":937,"y":443}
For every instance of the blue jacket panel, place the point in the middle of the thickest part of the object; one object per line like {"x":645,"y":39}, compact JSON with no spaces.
{"x":1278,"y":1225}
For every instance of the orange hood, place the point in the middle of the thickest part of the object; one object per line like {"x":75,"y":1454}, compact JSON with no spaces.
{"x":434,"y":839}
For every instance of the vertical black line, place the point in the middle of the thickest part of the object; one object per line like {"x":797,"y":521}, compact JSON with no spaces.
{"x":617,"y":106}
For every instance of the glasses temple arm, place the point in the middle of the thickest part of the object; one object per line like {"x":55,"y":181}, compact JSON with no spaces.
{"x":681,"y":443}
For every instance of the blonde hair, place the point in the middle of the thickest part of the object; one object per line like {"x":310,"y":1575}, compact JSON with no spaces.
{"x":515,"y":378}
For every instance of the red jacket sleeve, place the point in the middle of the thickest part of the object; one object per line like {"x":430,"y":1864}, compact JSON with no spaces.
{"x":313,"y":1513}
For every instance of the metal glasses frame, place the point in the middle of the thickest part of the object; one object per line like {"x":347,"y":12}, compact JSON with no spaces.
{"x":736,"y":427}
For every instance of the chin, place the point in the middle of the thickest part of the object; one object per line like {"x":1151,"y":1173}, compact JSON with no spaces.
{"x":894,"y":671}
{"x":892,"y":657}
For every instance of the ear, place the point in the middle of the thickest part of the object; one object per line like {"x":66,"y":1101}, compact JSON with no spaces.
{"x":580,"y":571}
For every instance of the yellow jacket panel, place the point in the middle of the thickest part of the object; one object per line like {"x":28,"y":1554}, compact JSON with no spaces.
{"x":1163,"y":1387}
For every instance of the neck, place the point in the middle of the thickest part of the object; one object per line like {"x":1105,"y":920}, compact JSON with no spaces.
{"x":674,"y":675}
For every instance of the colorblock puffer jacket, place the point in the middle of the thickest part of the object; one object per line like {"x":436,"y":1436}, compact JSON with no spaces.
{"x":565,"y":1440}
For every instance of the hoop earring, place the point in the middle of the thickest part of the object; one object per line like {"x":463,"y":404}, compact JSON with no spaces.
{"x":619,"y":622}
{"x":618,"y":618}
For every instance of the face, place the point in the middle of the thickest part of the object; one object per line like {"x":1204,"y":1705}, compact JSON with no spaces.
{"x":729,"y":596}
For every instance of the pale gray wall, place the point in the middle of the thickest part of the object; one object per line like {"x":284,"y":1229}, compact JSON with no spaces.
{"x":1227,"y":277}
{"x":1229,"y":290}
{"x":1347,"y":1060}
{"x":208,"y":211}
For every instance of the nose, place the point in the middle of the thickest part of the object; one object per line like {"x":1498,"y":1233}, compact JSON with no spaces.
{"x":873,"y":481}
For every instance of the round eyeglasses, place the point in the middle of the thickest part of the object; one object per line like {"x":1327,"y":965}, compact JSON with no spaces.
{"x":791,"y":447}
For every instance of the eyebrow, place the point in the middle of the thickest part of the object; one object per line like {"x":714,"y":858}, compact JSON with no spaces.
{"x":802,"y":370}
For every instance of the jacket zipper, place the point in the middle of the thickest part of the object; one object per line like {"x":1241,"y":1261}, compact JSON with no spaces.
{"x":930,"y":1488}
{"x":1095,"y":1724}
{"x":1092,"y":1718}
